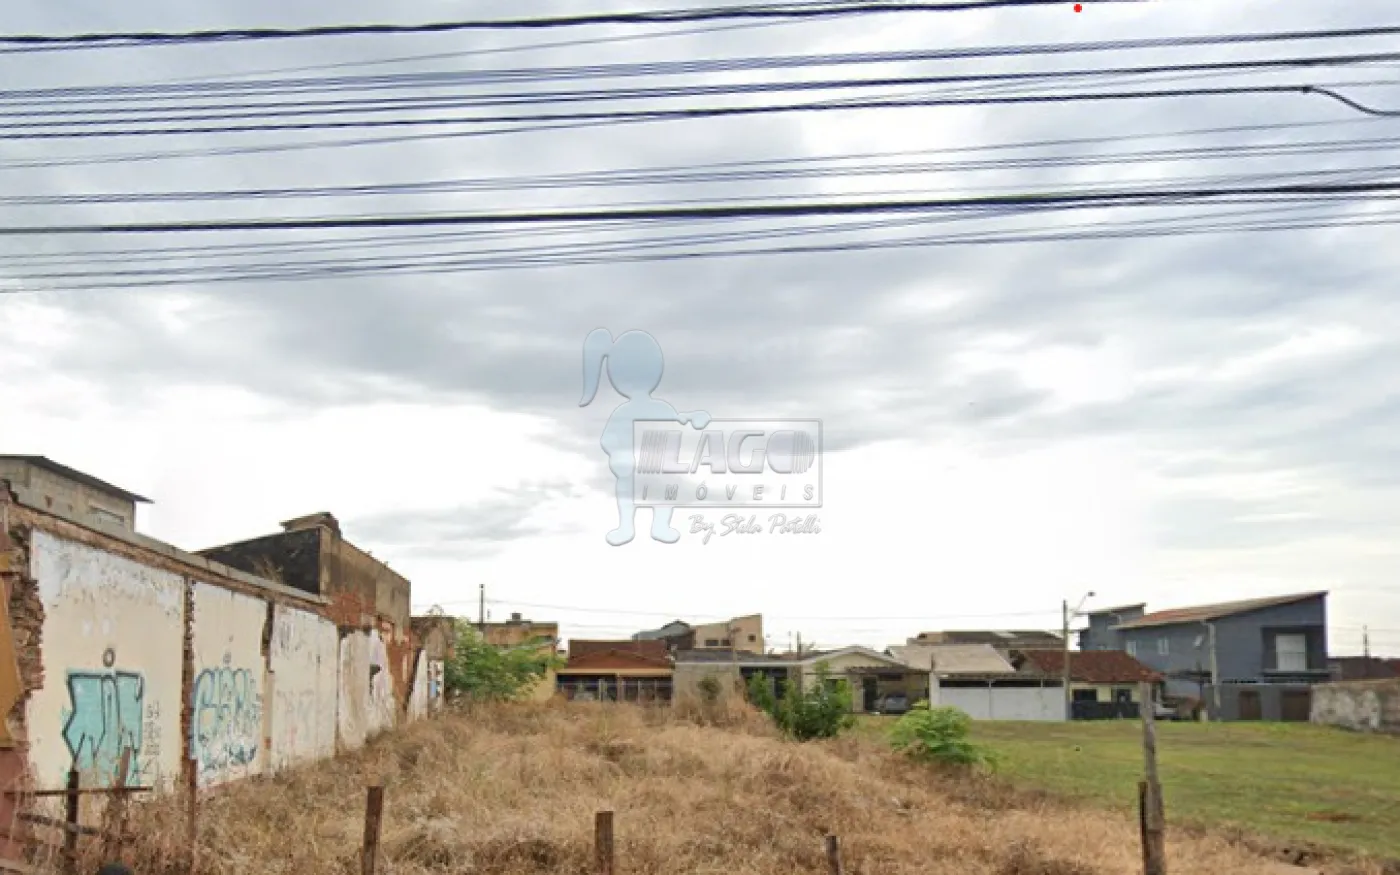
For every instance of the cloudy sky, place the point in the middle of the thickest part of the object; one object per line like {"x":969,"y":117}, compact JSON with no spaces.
{"x":1179,"y":410}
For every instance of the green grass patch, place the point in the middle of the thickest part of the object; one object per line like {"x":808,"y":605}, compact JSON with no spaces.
{"x":1285,"y":781}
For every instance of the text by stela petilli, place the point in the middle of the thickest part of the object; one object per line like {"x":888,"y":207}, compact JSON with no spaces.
{"x":778,"y":523}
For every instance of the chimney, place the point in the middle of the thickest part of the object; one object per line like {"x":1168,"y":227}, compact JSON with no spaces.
{"x":311,"y":521}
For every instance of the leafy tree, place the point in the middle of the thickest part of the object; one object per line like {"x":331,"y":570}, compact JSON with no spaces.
{"x":485,"y":673}
{"x":823,"y":711}
{"x":941,"y":735}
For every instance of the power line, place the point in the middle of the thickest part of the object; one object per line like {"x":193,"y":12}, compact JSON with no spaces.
{"x":790,"y":11}
{"x":675,"y":68}
{"x":622,"y":117}
{"x":229,"y":151}
{"x":65,"y":112}
{"x":748,"y":211}
{"x":596,"y":610}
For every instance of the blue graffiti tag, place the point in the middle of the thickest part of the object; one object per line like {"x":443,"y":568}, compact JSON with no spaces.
{"x":106,"y":717}
{"x":227,"y":719}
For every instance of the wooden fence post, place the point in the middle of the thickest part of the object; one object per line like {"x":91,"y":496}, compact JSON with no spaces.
{"x":70,"y":820}
{"x":1154,"y":848}
{"x":116,"y":808}
{"x":833,"y":855}
{"x":374,"y":820}
{"x":603,"y":842}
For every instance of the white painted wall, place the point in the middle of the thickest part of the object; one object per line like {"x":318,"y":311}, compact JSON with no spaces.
{"x":226,"y":721}
{"x":303,"y":687}
{"x":418,"y":701}
{"x":1006,"y":703}
{"x":366,"y":700}
{"x":112,"y":646}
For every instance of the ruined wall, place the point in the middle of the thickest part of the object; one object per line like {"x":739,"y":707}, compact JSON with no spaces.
{"x":304,"y":660}
{"x":292,"y":558}
{"x":366,"y":703}
{"x":226,"y":703}
{"x":112,"y":643}
{"x":418,"y":701}
{"x":1366,"y":706}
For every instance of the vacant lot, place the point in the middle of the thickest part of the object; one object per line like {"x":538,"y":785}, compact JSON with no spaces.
{"x":513,"y":790}
{"x":1292,"y":782}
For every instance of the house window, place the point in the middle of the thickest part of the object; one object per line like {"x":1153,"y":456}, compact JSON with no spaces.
{"x":1164,"y":646}
{"x":1132,"y":648}
{"x":1291,"y":652}
{"x":1085,"y":695}
{"x":711,"y":642}
{"x":753,"y":638}
{"x":1122,"y":694}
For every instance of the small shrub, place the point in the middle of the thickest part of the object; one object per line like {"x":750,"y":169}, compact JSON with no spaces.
{"x":709,"y":689}
{"x":824,"y":711}
{"x":939,"y":735}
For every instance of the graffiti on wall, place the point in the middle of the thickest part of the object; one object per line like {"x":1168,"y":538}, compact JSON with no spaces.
{"x":107,"y":714}
{"x":226,"y":724}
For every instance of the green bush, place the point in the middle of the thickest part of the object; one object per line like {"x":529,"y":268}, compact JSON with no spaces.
{"x":824,"y":711}
{"x":480,"y":672}
{"x":939,"y":735}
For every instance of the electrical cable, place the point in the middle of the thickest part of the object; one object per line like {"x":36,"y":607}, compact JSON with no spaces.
{"x":746,"y":211}
{"x":347,"y":106}
{"x":615,"y":117}
{"x":788,"y":11}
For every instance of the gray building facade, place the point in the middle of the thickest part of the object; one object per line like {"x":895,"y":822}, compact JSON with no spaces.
{"x":1263,"y":653}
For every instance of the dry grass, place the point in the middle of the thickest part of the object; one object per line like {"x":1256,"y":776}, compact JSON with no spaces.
{"x":513,"y":790}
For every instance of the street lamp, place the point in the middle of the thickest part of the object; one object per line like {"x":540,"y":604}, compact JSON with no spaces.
{"x":1069,"y":615}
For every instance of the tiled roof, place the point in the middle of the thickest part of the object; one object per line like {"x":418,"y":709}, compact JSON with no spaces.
{"x":953,"y":659}
{"x":647,"y":648}
{"x":742,"y":657}
{"x":1121,"y":609}
{"x":615,"y":659}
{"x":994,"y":637}
{"x":1090,"y":666}
{"x":1202,"y":613}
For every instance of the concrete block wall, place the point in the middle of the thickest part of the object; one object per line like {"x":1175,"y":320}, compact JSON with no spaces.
{"x":1364,"y":706}
{"x":207,"y":674}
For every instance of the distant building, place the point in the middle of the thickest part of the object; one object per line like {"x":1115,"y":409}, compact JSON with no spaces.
{"x":1002,"y":640}
{"x":744,"y":634}
{"x":1266,"y":652}
{"x":1362,"y":668}
{"x":71,"y":492}
{"x":518,"y":631}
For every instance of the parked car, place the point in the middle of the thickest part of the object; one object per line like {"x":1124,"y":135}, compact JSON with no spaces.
{"x":894,"y":703}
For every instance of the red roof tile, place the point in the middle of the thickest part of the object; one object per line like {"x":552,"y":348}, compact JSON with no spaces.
{"x":649,"y":648}
{"x":1091,"y":666}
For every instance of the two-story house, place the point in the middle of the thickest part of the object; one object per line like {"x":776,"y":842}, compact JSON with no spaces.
{"x":1245,"y":660}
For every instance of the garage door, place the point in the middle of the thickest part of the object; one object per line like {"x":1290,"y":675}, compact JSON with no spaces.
{"x":1006,"y":703}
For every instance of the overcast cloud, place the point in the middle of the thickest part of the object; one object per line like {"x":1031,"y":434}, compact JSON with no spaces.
{"x":1193,"y":417}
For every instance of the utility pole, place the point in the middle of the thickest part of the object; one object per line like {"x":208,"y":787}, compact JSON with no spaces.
{"x":481,"y":611}
{"x":1366,"y":652}
{"x":1069,"y":699}
{"x":1214,"y":676}
{"x":799,"y":643}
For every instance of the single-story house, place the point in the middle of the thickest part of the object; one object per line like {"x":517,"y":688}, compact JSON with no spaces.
{"x":1103,"y":683}
{"x":871,"y":675}
{"x":979,"y":680}
{"x":999,"y":639}
{"x":731,"y":669}
{"x":616,"y":671}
